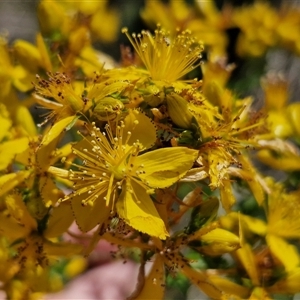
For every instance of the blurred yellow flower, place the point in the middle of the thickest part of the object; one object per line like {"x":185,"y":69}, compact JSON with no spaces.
{"x":248,"y":18}
{"x":204,"y":19}
{"x":101,"y":19}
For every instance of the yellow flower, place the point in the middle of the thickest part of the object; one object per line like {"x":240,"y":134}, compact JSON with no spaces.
{"x":248,"y":18}
{"x":165,"y":58}
{"x":59,"y":87}
{"x":283,"y":213}
{"x":101,"y":19}
{"x":224,"y":139}
{"x":282,"y":119}
{"x":115,"y":177}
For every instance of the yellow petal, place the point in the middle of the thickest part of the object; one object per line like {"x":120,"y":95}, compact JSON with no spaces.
{"x":24,"y":118}
{"x":201,"y":281}
{"x":48,"y":191}
{"x":253,"y":182}
{"x":9,"y":181}
{"x":259,"y":293}
{"x":247,"y":258}
{"x":45,"y":59}
{"x":63,"y":151}
{"x":255,"y":225}
{"x":283,"y":161}
{"x":45,"y":155}
{"x":59,"y":221}
{"x":19,"y":211}
{"x":154,"y":286}
{"x":288,"y":285}
{"x":218,"y":241}
{"x":88,"y":216}
{"x":227,"y":197}
{"x":164,"y":167}
{"x":252,"y":224}
{"x":285,"y":252}
{"x":229,"y":287}
{"x":56,"y":130}
{"x":220,"y":235}
{"x":11,"y":229}
{"x":137,"y":209}
{"x":9,"y":149}
{"x":141,"y":127}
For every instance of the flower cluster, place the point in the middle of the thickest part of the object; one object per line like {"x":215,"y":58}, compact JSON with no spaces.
{"x":145,"y":156}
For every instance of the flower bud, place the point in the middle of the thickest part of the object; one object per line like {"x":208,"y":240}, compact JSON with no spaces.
{"x":178,"y":110}
{"x":28,"y":55}
{"x":108,"y":108}
{"x":79,"y":39}
{"x":46,"y":12}
{"x":219,"y":241}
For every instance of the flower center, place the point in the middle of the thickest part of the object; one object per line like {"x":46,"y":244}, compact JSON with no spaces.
{"x":119,"y":171}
